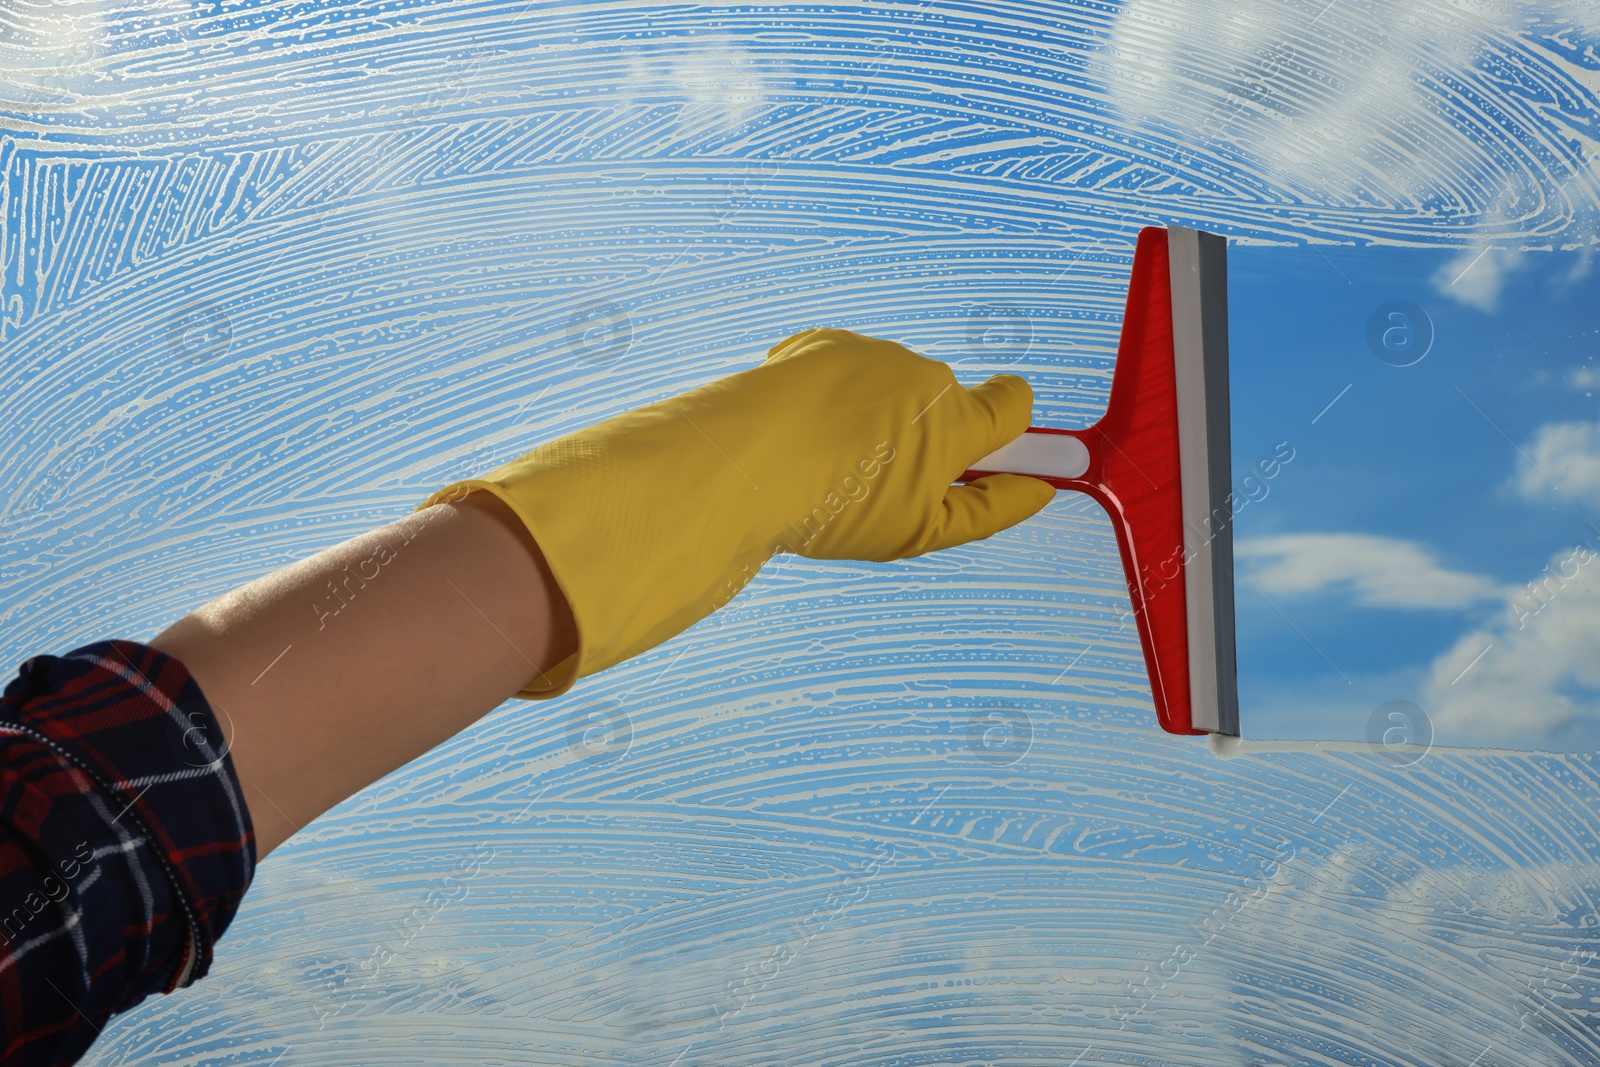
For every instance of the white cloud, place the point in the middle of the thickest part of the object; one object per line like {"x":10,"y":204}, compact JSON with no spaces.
{"x":1477,"y":276}
{"x":1382,"y":572}
{"x":1364,"y":105}
{"x":1586,"y":377}
{"x":1341,"y":97}
{"x":1540,"y":670}
{"x":1564,"y":463}
{"x":718,"y":89}
{"x":1436,"y":921}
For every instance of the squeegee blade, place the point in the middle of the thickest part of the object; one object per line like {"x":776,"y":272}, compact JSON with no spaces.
{"x":1199,"y":270}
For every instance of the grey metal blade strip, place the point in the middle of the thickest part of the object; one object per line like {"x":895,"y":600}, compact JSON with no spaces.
{"x":1199,"y":273}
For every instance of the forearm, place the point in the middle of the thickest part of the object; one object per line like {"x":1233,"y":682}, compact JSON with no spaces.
{"x":328,"y":674}
{"x":331,"y":672}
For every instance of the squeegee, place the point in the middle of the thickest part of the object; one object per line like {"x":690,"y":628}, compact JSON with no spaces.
{"x":1158,"y":462}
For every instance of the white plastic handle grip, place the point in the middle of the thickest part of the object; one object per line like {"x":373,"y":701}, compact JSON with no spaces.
{"x":1049,"y":455}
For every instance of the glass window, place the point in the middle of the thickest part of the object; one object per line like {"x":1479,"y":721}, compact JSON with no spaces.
{"x":273,"y":273}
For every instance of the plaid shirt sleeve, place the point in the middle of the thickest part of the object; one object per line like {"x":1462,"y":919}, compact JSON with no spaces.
{"x":125,"y":843}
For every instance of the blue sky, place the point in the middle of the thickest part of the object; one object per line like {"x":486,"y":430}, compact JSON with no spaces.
{"x":1422,"y":499}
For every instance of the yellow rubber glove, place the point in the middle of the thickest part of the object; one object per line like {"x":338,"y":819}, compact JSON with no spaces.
{"x":838,"y":446}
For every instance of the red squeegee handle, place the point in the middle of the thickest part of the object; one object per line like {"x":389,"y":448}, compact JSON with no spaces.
{"x":1131,"y":461}
{"x":1154,"y":589}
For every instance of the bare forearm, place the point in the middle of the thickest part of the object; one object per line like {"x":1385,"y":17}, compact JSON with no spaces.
{"x":329,"y":673}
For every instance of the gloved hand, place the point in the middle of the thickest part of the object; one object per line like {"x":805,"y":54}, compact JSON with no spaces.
{"x":838,"y":446}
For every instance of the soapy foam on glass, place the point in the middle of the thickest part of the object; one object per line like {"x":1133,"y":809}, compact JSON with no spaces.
{"x":273,"y":275}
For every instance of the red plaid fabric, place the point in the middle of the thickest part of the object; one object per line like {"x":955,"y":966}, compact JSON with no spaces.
{"x":125,"y":843}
